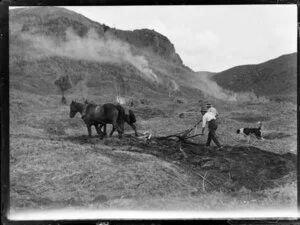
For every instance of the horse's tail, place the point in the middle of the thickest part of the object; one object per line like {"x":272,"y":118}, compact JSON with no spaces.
{"x":132,"y":117}
{"x":121,"y":115}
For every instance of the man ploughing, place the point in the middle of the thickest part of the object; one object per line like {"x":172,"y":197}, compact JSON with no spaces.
{"x":210,"y":119}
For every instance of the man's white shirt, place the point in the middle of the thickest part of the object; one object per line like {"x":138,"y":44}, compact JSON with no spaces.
{"x":208,"y":116}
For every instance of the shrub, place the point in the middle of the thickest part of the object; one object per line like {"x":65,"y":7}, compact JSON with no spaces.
{"x":144,"y":101}
{"x":180,"y":100}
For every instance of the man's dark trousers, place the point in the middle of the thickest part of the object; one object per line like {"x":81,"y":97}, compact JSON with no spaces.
{"x":212,"y":127}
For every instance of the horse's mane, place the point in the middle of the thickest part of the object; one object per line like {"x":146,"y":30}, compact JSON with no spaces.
{"x":89,"y":104}
{"x":77,"y":103}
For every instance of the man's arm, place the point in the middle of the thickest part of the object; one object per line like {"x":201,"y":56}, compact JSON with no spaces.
{"x":216,"y":112}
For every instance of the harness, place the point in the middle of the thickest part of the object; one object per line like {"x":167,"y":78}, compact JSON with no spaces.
{"x":97,"y":109}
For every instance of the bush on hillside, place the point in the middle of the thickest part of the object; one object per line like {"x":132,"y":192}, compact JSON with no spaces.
{"x":144,"y":101}
{"x":179,"y":101}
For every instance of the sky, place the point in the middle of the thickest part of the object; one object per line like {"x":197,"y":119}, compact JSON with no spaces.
{"x":210,"y":38}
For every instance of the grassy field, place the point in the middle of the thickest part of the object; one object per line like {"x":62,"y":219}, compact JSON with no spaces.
{"x":53,"y":164}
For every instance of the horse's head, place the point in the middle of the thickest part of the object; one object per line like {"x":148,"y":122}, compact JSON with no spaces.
{"x":73,"y":109}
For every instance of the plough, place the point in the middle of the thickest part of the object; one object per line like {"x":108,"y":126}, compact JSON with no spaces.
{"x":183,"y":137}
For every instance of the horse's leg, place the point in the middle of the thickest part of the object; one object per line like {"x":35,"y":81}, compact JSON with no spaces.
{"x":104,"y":129}
{"x":112,"y":131}
{"x":122,"y":126}
{"x":100,"y":133}
{"x":134,"y":128}
{"x":89,"y":128}
{"x":117,"y":127}
{"x":99,"y":127}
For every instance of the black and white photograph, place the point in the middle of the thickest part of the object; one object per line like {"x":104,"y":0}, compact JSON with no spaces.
{"x":152,"y":112}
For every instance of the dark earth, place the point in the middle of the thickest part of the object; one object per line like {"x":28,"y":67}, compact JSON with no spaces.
{"x":229,"y":170}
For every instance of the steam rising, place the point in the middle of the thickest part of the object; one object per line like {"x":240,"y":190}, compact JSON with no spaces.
{"x":108,"y":49}
{"x":91,"y":48}
{"x":211,"y":88}
{"x":173,"y":87}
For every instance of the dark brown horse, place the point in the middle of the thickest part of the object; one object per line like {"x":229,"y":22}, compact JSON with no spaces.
{"x":104,"y":114}
{"x":76,"y":107}
{"x":130,"y":119}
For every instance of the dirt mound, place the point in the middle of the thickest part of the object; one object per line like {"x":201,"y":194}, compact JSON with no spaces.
{"x":231,"y":169}
{"x":290,"y":156}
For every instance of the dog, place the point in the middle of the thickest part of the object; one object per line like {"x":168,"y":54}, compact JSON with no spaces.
{"x":248,"y":132}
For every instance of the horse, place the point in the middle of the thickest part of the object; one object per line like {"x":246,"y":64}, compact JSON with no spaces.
{"x":76,"y":107}
{"x":104,"y":114}
{"x":129,"y":118}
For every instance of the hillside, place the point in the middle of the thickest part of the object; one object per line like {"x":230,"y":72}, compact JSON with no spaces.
{"x":274,"y":77}
{"x":49,"y":42}
{"x":54,"y":22}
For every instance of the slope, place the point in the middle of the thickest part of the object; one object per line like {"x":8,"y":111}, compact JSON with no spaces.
{"x":276,"y":76}
{"x":48,"y":42}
